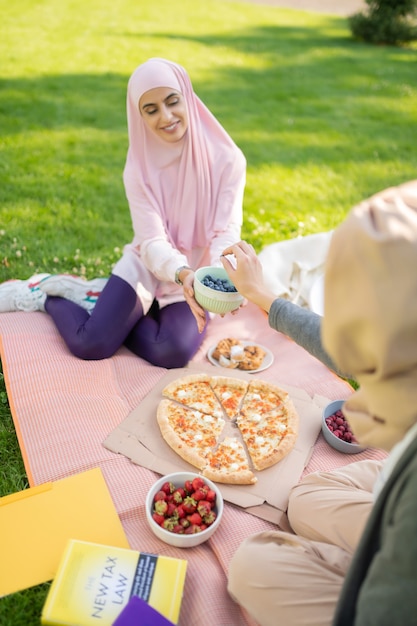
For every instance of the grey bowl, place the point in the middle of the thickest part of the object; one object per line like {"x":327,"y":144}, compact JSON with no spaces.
{"x":335,"y":442}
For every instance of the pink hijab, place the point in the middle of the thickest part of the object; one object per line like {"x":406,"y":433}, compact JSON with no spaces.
{"x":187,"y":191}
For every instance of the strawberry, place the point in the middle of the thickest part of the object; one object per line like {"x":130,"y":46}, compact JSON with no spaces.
{"x":172,"y":507}
{"x":168,"y":487}
{"x":211,"y":496}
{"x":199,"y":494}
{"x":179,"y":511}
{"x":161,"y":507}
{"x":192,"y":529}
{"x":160,"y":495}
{"x":195,"y":518}
{"x":168,"y":524}
{"x":189,"y":505}
{"x":178,"y":529}
{"x":210,"y":517}
{"x":204,"y":508}
{"x":184,"y":522}
{"x":178,"y":495}
{"x":188,"y":486}
{"x":197,"y":482}
{"x":158,"y":518}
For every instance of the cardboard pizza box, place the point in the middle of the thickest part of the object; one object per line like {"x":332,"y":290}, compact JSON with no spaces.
{"x":139,"y":438}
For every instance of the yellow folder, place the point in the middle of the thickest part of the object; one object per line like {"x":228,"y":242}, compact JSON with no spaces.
{"x":36,"y":524}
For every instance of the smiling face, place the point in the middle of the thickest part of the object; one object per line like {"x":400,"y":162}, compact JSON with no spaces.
{"x":164,"y":112}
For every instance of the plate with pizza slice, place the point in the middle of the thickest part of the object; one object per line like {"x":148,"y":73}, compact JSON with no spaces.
{"x":234,"y":353}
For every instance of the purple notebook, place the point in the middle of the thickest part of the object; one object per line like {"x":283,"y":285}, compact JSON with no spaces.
{"x":137,"y":611}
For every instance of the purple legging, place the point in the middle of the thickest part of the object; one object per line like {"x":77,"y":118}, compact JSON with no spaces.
{"x":166,"y":337}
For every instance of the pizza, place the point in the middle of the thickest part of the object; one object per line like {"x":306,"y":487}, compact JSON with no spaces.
{"x":227,"y":427}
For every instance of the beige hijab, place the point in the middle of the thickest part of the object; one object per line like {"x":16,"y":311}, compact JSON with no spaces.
{"x":370,"y":313}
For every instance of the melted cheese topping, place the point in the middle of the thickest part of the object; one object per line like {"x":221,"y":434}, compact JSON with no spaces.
{"x":229,"y":456}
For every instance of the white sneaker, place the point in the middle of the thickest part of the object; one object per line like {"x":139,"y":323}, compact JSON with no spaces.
{"x":22,"y":295}
{"x":83,"y":292}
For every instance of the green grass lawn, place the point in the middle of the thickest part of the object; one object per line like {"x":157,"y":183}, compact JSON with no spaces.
{"x":324,"y":121}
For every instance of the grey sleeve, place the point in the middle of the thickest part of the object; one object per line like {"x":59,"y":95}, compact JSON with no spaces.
{"x":302,"y":326}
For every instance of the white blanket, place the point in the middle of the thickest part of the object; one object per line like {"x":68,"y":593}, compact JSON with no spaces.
{"x":294,"y":269}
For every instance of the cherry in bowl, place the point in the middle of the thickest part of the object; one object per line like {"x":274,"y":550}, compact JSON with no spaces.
{"x":336,"y":429}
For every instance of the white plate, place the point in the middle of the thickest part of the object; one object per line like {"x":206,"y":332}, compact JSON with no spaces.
{"x":267,"y":361}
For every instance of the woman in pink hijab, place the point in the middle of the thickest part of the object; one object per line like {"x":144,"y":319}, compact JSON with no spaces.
{"x":184,"y":179}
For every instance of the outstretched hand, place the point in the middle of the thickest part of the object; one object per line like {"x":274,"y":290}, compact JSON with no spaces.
{"x":247,"y":270}
{"x":246,"y":274}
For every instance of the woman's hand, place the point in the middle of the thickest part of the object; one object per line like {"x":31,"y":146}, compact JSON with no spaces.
{"x":198,"y":311}
{"x":247,"y":275}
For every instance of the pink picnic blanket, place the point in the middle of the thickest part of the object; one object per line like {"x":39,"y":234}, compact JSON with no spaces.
{"x":64,"y":408}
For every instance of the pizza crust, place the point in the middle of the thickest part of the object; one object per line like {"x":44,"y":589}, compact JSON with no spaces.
{"x":246,"y":477}
{"x":172,"y":388}
{"x":285,"y":447}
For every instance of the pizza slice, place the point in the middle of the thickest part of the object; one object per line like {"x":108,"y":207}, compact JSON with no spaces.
{"x":229,"y":463}
{"x":230,"y":393}
{"x":190,"y":433}
{"x":262,"y":397}
{"x":195,"y":392}
{"x":269,"y":437}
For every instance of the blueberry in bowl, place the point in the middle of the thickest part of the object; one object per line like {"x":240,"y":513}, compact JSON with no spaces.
{"x":219,"y":284}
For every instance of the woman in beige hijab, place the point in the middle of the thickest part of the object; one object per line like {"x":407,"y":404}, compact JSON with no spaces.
{"x":352,"y":558}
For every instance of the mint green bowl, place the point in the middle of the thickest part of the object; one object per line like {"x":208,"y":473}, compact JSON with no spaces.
{"x":211,"y":299}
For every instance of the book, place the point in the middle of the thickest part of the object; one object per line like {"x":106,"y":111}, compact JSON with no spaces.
{"x":95,"y":582}
{"x":37,"y":523}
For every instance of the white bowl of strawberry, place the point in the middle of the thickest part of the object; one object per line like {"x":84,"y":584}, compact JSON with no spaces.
{"x":336,"y":429}
{"x":184,"y":509}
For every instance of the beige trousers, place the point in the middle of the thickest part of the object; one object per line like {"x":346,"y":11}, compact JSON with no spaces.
{"x":295,"y":579}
